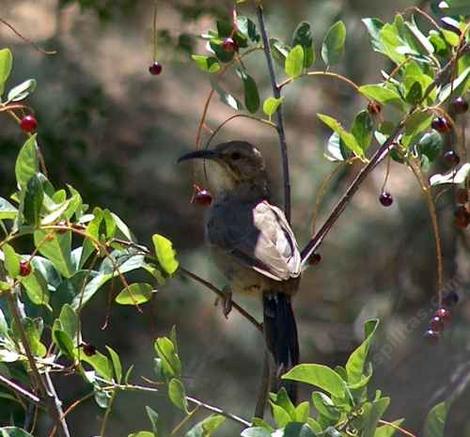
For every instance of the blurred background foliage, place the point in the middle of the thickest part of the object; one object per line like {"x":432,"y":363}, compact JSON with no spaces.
{"x":115,"y":132}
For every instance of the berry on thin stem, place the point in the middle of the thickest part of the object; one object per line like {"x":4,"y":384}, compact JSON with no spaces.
{"x":443,"y":314}
{"x":459,"y":105}
{"x":28,"y":124}
{"x":436,"y":324}
{"x":385,"y":199}
{"x":155,"y":69}
{"x":374,"y":107}
{"x":25,"y":268}
{"x":451,"y":158}
{"x":431,"y":336}
{"x":229,"y":45}
{"x":441,"y":124}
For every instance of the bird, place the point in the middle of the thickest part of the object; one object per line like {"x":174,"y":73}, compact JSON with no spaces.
{"x":254,"y":246}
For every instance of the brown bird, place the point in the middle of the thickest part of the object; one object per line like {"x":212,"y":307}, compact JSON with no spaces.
{"x":253,"y":244}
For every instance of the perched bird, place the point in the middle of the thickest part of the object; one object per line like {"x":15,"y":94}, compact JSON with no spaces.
{"x":253,"y":244}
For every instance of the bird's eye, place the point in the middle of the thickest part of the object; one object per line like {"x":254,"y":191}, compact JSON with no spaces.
{"x":235,"y":156}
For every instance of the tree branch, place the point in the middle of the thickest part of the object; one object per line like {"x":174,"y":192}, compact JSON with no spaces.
{"x":278,"y":114}
{"x":20,"y":390}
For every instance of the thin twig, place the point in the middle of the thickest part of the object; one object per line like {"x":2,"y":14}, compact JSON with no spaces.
{"x":20,"y":390}
{"x":279,"y":117}
{"x":218,"y":410}
{"x":399,"y":428}
{"x":58,"y":404}
{"x":222,"y":295}
{"x":107,"y":414}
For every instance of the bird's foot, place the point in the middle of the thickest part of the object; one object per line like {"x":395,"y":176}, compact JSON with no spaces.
{"x":226,"y":301}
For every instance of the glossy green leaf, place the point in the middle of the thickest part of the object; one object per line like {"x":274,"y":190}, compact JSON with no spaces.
{"x":226,"y":97}
{"x":303,"y":37}
{"x":166,"y":255}
{"x":391,"y":42}
{"x":431,"y":145}
{"x":455,"y":86}
{"x":325,"y":406}
{"x":36,"y":288}
{"x":116,"y":362}
{"x":381,"y":94}
{"x":333,"y":44}
{"x":271,"y":105}
{"x":281,"y":416}
{"x":33,"y":200}
{"x":348,"y":138}
{"x":21,"y":91}
{"x":415,"y":124}
{"x":57,"y":248}
{"x":7,"y":210}
{"x":166,"y":351}
{"x":209,"y":64}
{"x":362,"y":129}
{"x":279,"y":51}
{"x":388,"y":430}
{"x":247,"y":27}
{"x":6,"y":62}
{"x":334,"y":148}
{"x":319,"y":376}
{"x":418,"y":39}
{"x":452,"y":177}
{"x":135,"y":294}
{"x":69,"y":321}
{"x":434,"y":425}
{"x":33,"y":330}
{"x":12,"y":260}
{"x":177,"y":394}
{"x":13,"y":431}
{"x":255,"y":431}
{"x":252,"y":99}
{"x":357,"y":360}
{"x":302,"y":411}
{"x":295,"y":429}
{"x":153,"y":417}
{"x":373,"y":26}
{"x":373,"y":412}
{"x":294,"y":65}
{"x":63,"y":341}
{"x":206,"y":427}
{"x":100,"y":363}
{"x":27,"y":162}
{"x":142,"y":434}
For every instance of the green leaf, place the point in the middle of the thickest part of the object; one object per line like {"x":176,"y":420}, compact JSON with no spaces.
{"x":415,"y":94}
{"x":255,"y":431}
{"x":166,"y":350}
{"x":271,"y":105}
{"x":27,"y":162}
{"x":142,"y":434}
{"x":325,"y":406}
{"x":281,"y":416}
{"x":100,"y":363}
{"x":153,"y":417}
{"x":56,"y":247}
{"x":294,"y":65}
{"x":21,"y":91}
{"x":434,"y":425}
{"x":247,"y":27}
{"x":381,"y":94}
{"x":135,"y":294}
{"x":210,"y":64}
{"x":69,"y":321}
{"x":348,"y":138}
{"x":33,"y":330}
{"x":12,"y":260}
{"x":415,"y":124}
{"x":177,"y":394}
{"x":373,"y":26}
{"x":63,"y":341}
{"x":279,"y":51}
{"x":166,"y":255}
{"x":362,"y":129}
{"x":430,"y":145}
{"x":117,"y":366}
{"x":7,"y":210}
{"x":13,"y":431}
{"x":372,"y":414}
{"x":454,"y":87}
{"x":335,"y":148}
{"x":36,"y":288}
{"x":6,"y":62}
{"x":452,"y":177}
{"x":33,"y":200}
{"x":226,"y":97}
{"x":319,"y":376}
{"x":303,"y":37}
{"x":252,"y":100}
{"x":206,"y":427}
{"x":357,"y":360}
{"x":333,"y":44}
{"x":295,"y":429}
{"x":417,"y":39}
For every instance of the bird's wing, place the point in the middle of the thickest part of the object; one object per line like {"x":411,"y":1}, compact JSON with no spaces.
{"x":260,"y":237}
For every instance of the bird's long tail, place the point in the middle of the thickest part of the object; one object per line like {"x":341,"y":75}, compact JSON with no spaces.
{"x":280,"y":330}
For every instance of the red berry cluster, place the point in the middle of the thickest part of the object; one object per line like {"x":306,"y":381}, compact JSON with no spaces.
{"x":201,"y":196}
{"x":441,"y":317}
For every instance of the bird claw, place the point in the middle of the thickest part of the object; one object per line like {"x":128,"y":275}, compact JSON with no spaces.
{"x":226,"y":301}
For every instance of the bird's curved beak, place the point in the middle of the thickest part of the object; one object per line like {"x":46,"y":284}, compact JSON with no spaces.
{"x":199,"y":154}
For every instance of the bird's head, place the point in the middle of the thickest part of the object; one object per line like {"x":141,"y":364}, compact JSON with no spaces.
{"x":239,"y":165}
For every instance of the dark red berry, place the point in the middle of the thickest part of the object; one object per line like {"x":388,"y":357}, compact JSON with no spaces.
{"x":461,"y":196}
{"x":230,"y":45}
{"x":88,"y":349}
{"x":201,"y":196}
{"x":441,"y":124}
{"x":28,"y":124}
{"x":459,"y":105}
{"x":450,"y":299}
{"x":436,"y":324}
{"x":374,"y":107}
{"x":461,"y":217}
{"x":385,"y":199}
{"x":451,"y":158}
{"x":431,"y":336}
{"x":25,"y":268}
{"x":444,"y":314}
{"x":314,"y":259}
{"x":155,"y":69}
